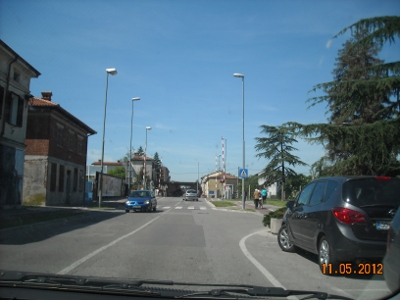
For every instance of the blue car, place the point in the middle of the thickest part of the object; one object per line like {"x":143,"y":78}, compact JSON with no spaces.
{"x":142,"y":200}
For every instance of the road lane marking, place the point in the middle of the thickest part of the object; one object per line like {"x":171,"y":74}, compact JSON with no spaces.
{"x":203,"y":208}
{"x":178,"y":207}
{"x":259,"y":266}
{"x":190,"y":207}
{"x":90,"y":255}
{"x":165,"y":207}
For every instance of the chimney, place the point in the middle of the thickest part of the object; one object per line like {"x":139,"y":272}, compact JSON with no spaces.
{"x":47,"y":96}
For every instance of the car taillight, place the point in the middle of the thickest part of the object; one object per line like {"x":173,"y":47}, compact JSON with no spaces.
{"x":382,"y":178}
{"x":348,"y":216}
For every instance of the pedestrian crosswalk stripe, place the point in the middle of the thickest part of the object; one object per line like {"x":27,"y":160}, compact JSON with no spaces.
{"x":181,"y":207}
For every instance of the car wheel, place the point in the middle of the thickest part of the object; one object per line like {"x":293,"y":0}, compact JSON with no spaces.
{"x":127,"y":210}
{"x":154,"y":208}
{"x":326,"y":255}
{"x":150,"y":208}
{"x":284,"y":241}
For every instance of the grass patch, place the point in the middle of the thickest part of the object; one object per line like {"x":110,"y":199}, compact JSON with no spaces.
{"x":275,"y":202}
{"x":279,"y":203}
{"x":103,"y":207}
{"x":223,"y":203}
{"x":36,"y":218}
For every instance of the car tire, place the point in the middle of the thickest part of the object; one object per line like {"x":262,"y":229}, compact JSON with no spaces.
{"x":154,"y":208}
{"x":326,"y":255}
{"x":126,"y":210}
{"x":284,"y":241}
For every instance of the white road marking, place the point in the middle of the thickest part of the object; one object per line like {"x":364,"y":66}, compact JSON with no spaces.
{"x":165,"y":207}
{"x":203,"y":208}
{"x":178,"y":207}
{"x":90,"y":255}
{"x":190,"y":207}
{"x":259,"y":266}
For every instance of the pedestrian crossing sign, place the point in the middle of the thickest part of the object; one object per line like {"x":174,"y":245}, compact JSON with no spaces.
{"x":243,"y":173}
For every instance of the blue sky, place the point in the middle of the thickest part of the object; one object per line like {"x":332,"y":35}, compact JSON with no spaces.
{"x":179,"y":58}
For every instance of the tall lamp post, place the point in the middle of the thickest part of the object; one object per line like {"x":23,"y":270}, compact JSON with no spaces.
{"x":243,"y":163}
{"x":145,"y":154}
{"x":111,"y":71}
{"x":130,"y":149}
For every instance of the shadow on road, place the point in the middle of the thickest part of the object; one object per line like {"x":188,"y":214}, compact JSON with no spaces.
{"x":40,"y":231}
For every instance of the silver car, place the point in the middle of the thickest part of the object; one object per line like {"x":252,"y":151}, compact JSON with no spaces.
{"x":190,"y":195}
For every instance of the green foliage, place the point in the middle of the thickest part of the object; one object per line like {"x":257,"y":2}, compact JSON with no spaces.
{"x":127,"y":155}
{"x":140,"y":151}
{"x":363,"y":133}
{"x":117,"y":172}
{"x":294,"y":185}
{"x":276,"y":147}
{"x":277,"y":214}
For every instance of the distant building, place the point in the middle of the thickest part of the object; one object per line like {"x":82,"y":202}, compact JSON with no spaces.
{"x":272,"y":189}
{"x":15,"y":77}
{"x":56,"y":152}
{"x":212,"y":185}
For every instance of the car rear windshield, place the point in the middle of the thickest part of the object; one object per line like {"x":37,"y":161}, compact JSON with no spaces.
{"x":372,"y":192}
{"x":191,"y":191}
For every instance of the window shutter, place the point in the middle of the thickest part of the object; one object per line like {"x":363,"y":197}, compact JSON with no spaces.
{"x":20,"y":113}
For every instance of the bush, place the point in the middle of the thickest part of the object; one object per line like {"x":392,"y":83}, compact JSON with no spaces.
{"x":278,"y":214}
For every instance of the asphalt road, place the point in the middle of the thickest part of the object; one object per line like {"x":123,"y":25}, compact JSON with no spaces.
{"x":182,"y":241}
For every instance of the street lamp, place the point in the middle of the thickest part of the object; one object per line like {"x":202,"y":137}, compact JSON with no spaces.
{"x":130,"y":148}
{"x":145,"y":153}
{"x":242,"y":76}
{"x":111,"y":71}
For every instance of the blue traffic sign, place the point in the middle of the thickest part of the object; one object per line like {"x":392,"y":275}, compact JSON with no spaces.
{"x":243,"y":173}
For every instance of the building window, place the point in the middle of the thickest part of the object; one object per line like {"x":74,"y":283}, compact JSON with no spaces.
{"x":53,"y":177}
{"x":61,"y":179}
{"x":81,"y":180}
{"x":75,"y":180}
{"x":14,"y":110}
{"x":71,"y":140}
{"x":80,"y":144}
{"x":16,"y":76}
{"x":1,"y":101}
{"x":59,"y":135}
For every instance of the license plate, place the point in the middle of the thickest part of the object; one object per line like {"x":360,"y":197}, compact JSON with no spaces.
{"x":136,"y":206}
{"x":382,"y":225}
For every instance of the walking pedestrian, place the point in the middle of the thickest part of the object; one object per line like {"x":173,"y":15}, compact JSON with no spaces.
{"x":256,"y":196}
{"x":264,"y":194}
{"x":260,"y":199}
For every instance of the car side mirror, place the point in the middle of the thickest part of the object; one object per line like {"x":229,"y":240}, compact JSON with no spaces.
{"x":290,"y":204}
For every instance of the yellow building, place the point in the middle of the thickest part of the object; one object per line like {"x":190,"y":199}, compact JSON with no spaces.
{"x":213,"y":185}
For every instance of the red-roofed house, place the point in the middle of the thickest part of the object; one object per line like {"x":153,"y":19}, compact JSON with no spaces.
{"x":55,"y":157}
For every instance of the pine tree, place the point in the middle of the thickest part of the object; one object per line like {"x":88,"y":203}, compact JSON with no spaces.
{"x":140,"y":151}
{"x":276,"y":147}
{"x":363,"y":136}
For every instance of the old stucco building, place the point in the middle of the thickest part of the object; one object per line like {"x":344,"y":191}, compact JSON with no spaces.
{"x":15,"y":77}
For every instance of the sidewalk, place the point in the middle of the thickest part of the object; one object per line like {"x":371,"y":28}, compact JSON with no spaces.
{"x":267,"y":208}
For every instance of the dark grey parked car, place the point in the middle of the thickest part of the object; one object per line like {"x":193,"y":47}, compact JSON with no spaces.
{"x":391,"y":272}
{"x":345,"y":220}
